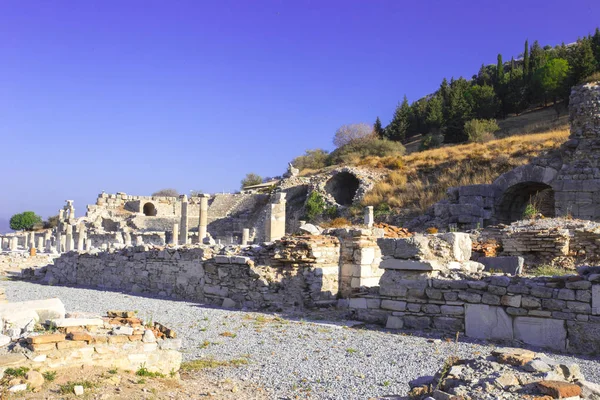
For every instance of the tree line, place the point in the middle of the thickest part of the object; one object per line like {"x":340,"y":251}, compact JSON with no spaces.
{"x":541,"y":75}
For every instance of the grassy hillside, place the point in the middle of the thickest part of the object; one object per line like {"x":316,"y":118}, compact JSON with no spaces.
{"x":418,"y":180}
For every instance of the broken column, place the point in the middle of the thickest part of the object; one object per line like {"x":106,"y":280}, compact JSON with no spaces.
{"x":88,"y":244}
{"x":183,"y":231}
{"x":245,"y":236}
{"x":14,"y":243}
{"x":369,"y":220}
{"x":175,"y":238}
{"x":81,"y":238}
{"x":275,"y":226}
{"x":31,"y":239}
{"x":40,"y":243}
{"x":127,"y":238}
{"x":203,"y":217}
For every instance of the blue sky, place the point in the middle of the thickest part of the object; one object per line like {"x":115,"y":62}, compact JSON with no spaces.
{"x":135,"y":96}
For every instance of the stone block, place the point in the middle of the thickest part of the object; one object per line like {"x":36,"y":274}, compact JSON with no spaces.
{"x":431,"y":309}
{"x":559,"y":389}
{"x":490,"y":299}
{"x":52,"y":338}
{"x":71,"y":322}
{"x":358,"y":303}
{"x":410,"y":265}
{"x":487,"y":322}
{"x":393,"y":305}
{"x":469,"y":297}
{"x":566,"y":294}
{"x":448,"y":324}
{"x":511,"y":301}
{"x":584,"y":337}
{"x":541,"y":332}
{"x":460,"y":244}
{"x":394,"y":322}
{"x":452,"y":310}
{"x":21,"y":313}
{"x":509,"y":265}
{"x":415,"y":322}
{"x":596,"y":299}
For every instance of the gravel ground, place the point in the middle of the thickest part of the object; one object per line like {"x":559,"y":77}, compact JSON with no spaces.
{"x":290,"y":358}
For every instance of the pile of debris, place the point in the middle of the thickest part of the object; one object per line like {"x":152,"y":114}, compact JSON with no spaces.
{"x":40,"y":336}
{"x":392,"y":231}
{"x":487,"y":248}
{"x":509,"y":373}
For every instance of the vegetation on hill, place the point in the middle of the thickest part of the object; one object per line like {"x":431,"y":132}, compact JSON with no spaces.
{"x":542,"y":75}
{"x":418,"y":180}
{"x":25,"y":221}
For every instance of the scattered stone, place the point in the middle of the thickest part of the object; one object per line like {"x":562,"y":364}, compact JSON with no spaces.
{"x":558,"y":389}
{"x":34,"y":379}
{"x":18,"y":388}
{"x":78,"y":390}
{"x":148,"y":336}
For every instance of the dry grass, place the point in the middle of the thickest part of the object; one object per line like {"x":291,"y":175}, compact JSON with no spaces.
{"x":425,"y":176}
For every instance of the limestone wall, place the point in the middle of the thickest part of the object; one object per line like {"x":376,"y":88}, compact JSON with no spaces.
{"x":291,"y":272}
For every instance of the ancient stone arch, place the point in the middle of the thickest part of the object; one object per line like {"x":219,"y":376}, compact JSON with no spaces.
{"x":149,"y":210}
{"x":343,"y":187}
{"x":521,"y":186}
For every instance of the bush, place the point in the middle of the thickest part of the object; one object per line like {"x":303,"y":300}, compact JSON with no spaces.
{"x":312,"y":159}
{"x":52,"y":222}
{"x":530,"y":211}
{"x":315,"y":206}
{"x":431,"y":141}
{"x":251,"y":179}
{"x":353,"y":152}
{"x":25,"y":221}
{"x":481,"y":130}
{"x":166,"y":193}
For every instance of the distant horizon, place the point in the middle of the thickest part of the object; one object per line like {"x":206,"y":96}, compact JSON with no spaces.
{"x":135,"y":97}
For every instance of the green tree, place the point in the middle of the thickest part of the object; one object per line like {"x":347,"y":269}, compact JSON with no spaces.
{"x":251,"y":179}
{"x":24,"y":221}
{"x":397,"y":129}
{"x":418,"y":116}
{"x":435,"y":116}
{"x":315,"y":205}
{"x":515,"y":100}
{"x":596,"y":46}
{"x":537,"y":58}
{"x":484,"y":101}
{"x":51,"y":222}
{"x":583,"y":63}
{"x":499,"y":70}
{"x":552,"y":78}
{"x":459,"y":112}
{"x":378,"y":129}
{"x":526,"y":59}
{"x":312,"y":159}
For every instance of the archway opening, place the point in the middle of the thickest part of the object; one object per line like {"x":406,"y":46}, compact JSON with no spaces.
{"x":343,"y":187}
{"x":516,"y":198}
{"x":149,"y":210}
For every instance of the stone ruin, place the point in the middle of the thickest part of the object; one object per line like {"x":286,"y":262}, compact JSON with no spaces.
{"x":41,"y":336}
{"x":565,"y":182}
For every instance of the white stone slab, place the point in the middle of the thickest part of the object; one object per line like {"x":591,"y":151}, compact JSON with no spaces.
{"x":542,"y":332}
{"x":45,"y":309}
{"x":487,"y":322}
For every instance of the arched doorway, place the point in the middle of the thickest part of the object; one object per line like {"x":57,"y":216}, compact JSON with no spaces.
{"x":515,"y":199}
{"x":343,"y":187}
{"x":149,"y":210}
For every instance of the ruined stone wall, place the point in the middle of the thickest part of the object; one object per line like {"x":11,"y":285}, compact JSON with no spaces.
{"x":292,"y":272}
{"x":561,"y":313}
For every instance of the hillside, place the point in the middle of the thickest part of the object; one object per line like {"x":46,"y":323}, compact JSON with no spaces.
{"x":418,"y":180}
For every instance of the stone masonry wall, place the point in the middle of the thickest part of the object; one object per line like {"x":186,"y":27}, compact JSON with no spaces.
{"x":291,"y":272}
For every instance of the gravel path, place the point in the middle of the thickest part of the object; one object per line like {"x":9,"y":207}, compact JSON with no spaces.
{"x":288,"y":357}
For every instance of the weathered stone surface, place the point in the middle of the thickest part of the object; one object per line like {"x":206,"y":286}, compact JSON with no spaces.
{"x":541,"y":332}
{"x":452,"y":310}
{"x":584,"y":337}
{"x":558,"y":389}
{"x":509,"y":265}
{"x":394,"y":322}
{"x":487,"y":322}
{"x":596,"y":299}
{"x":393,"y":305}
{"x":19,"y":314}
{"x":410,"y":265}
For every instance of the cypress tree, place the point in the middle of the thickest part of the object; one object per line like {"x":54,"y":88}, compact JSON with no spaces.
{"x":378,"y":129}
{"x":596,"y":45}
{"x":584,"y":62}
{"x":526,"y":59}
{"x":499,"y":70}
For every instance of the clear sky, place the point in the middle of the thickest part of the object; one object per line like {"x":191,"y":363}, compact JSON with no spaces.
{"x":135,"y":96}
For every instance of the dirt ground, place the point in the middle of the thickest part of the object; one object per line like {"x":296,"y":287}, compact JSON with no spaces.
{"x":107,"y":384}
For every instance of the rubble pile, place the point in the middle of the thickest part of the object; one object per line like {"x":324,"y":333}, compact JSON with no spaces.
{"x":392,"y":231}
{"x":508,"y":373}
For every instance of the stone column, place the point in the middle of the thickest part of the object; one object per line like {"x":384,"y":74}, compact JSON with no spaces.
{"x":69,"y":239}
{"x":369,"y":220}
{"x":40,"y":243}
{"x":245,"y":236}
{"x":2,"y":243}
{"x":203,"y":217}
{"x":183,"y":231}
{"x":175,"y":235}
{"x":88,"y":244}
{"x":81,"y":238}
{"x":127,"y":238}
{"x":48,"y":245}
{"x":275,"y":227}
{"x":14,"y":243}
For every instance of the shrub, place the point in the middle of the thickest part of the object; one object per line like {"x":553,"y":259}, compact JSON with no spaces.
{"x":353,"y":152}
{"x":52,"y":222}
{"x":251,"y":179}
{"x":315,"y":206}
{"x":166,"y":193}
{"x":312,"y":159}
{"x":381,"y":209}
{"x":481,"y":130}
{"x":25,"y":221}
{"x":530,"y":211}
{"x":431,"y":141}
{"x":339,"y":223}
